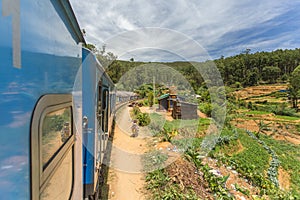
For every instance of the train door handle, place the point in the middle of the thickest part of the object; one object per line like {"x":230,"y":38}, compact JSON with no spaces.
{"x":85,"y":122}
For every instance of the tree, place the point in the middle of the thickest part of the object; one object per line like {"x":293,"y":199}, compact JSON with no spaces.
{"x":91,"y":47}
{"x":262,"y":127}
{"x":270,"y":73}
{"x":150,"y":98}
{"x":105,"y":58}
{"x":294,"y":88}
{"x":252,"y":77}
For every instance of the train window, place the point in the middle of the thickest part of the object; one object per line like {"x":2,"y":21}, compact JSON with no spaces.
{"x":52,"y":148}
{"x":56,"y":130}
{"x":99,"y":106}
{"x":105,"y":110}
{"x":60,"y":184}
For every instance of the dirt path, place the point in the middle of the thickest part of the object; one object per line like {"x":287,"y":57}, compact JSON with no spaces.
{"x":125,"y":177}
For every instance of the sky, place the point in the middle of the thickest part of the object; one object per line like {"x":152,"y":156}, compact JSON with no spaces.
{"x":191,"y":30}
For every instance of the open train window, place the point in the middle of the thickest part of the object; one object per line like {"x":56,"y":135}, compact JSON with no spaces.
{"x":52,"y":148}
{"x":105,"y":107}
{"x":99,"y":104}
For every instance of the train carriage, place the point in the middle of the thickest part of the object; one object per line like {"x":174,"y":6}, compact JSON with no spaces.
{"x":56,"y":103}
{"x":98,"y":111}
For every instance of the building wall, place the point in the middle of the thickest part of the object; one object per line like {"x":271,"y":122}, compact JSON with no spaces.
{"x":163,"y":104}
{"x":183,"y":110}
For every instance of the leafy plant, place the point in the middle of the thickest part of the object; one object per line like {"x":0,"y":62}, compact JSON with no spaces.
{"x":216,"y":184}
{"x":242,"y":190}
{"x":144,"y":119}
{"x":136,"y":111}
{"x":206,"y":108}
{"x":262,"y":127}
{"x":161,"y":187}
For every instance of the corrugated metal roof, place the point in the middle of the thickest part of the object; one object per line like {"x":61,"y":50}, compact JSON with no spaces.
{"x":163,"y":96}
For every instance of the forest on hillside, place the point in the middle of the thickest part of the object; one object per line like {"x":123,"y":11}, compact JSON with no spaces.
{"x":245,"y":69}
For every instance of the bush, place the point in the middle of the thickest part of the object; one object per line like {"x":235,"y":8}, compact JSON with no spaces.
{"x":281,"y":109}
{"x":250,"y":106}
{"x":241,"y":103}
{"x":206,"y":108}
{"x":136,"y":111}
{"x":144,"y":119}
{"x":145,"y":102}
{"x":150,"y":99}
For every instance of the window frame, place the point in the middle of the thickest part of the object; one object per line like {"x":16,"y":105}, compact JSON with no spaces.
{"x":105,"y":109}
{"x":40,"y":175}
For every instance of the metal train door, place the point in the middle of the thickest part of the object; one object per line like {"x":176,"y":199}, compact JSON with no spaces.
{"x":105,"y":120}
{"x":99,"y":122}
{"x":89,"y":131}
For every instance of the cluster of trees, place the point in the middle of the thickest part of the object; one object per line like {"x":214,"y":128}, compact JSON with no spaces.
{"x":105,"y":58}
{"x":243,"y":70}
{"x":295,"y":87}
{"x":249,"y":69}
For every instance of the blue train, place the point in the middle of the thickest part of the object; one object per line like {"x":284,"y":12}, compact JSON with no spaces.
{"x":56,"y":104}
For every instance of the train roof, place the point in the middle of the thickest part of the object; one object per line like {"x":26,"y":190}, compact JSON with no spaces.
{"x":71,"y":22}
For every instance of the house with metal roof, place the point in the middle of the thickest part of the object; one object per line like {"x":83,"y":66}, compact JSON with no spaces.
{"x":179,"y":109}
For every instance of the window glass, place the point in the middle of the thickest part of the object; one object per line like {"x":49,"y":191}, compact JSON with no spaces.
{"x":105,"y":110}
{"x":60,"y":184}
{"x":56,"y":130}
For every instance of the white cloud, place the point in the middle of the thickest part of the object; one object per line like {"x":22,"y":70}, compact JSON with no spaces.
{"x":209,"y":22}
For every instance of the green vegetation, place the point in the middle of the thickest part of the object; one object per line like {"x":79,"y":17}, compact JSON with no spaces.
{"x":54,"y":123}
{"x":257,"y":112}
{"x":245,"y":69}
{"x":295,"y":86}
{"x":256,"y":157}
{"x":288,"y":156}
{"x":216,"y":184}
{"x":206,"y":108}
{"x":253,"y":163}
{"x":162,"y":187}
{"x":156,"y":124}
{"x":143,"y":118}
{"x":242,"y":190}
{"x":167,"y":130}
{"x":288,"y":118}
{"x":270,"y":74}
{"x":275,"y":103}
{"x":150,"y":98}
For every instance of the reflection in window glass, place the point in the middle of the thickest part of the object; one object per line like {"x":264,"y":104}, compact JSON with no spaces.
{"x":60,"y":185}
{"x":56,"y":130}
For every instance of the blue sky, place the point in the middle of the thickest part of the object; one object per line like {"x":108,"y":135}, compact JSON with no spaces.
{"x":195,"y":30}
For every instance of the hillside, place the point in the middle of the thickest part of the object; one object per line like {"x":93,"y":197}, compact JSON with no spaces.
{"x":255,"y":154}
{"x":247,"y":162}
{"x":243,"y":70}
{"x":259,"y":90}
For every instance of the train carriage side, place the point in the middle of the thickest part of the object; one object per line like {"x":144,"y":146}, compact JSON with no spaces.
{"x":40,"y":55}
{"x":97,"y":104}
